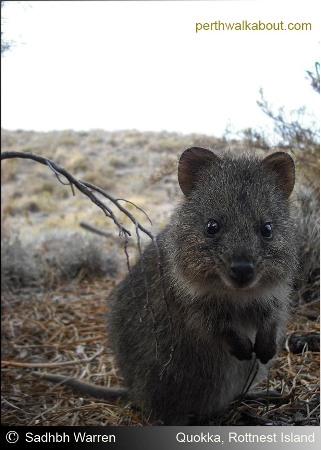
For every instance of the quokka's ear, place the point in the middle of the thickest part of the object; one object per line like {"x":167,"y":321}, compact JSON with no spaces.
{"x":282,"y":166}
{"x":191,"y":162}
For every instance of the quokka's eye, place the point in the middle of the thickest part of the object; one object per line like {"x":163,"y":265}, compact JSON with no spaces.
{"x":212,"y":227}
{"x":267,"y":230}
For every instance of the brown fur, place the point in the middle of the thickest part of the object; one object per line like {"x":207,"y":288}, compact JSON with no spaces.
{"x":227,"y":294}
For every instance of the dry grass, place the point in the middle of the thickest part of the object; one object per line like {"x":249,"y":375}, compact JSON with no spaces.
{"x":68,"y":325}
{"x":65,"y":325}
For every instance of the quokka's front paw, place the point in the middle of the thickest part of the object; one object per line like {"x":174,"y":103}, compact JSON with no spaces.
{"x":242,"y":350}
{"x":265,"y":352}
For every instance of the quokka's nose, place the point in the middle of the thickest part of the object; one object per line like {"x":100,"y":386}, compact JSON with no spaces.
{"x":242,"y":271}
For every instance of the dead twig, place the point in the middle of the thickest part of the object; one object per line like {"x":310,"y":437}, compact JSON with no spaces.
{"x":90,"y":190}
{"x":95,"y":230}
{"x":50,"y":365}
{"x":86,"y":188}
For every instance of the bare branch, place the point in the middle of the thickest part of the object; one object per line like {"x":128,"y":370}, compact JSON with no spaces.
{"x":86,"y":188}
{"x":90,"y":190}
{"x":137,"y":207}
{"x":130,"y":278}
{"x":161,"y":275}
{"x":292,"y":131}
{"x":93,"y":229}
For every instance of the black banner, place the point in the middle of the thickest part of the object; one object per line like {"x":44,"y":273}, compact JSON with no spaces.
{"x":163,"y":438}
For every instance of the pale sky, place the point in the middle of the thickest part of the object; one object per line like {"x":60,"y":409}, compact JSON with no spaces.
{"x":140,"y":65}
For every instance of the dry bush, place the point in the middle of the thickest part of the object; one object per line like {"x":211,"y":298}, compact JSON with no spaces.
{"x":54,"y":257}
